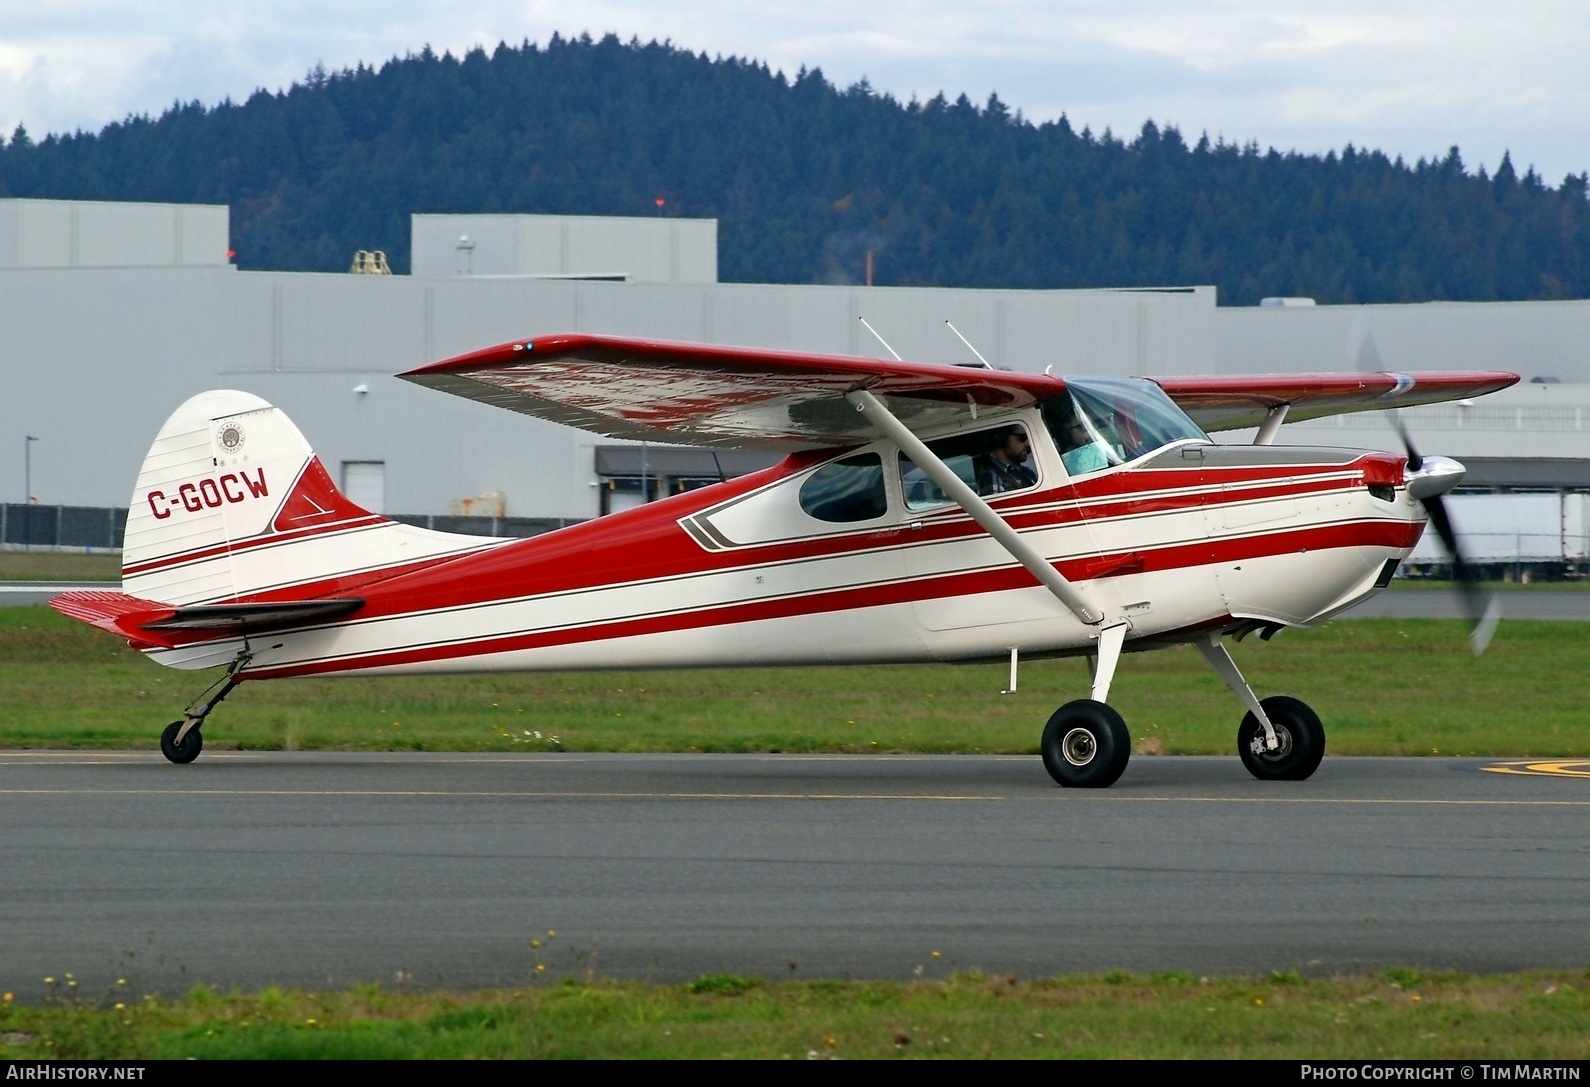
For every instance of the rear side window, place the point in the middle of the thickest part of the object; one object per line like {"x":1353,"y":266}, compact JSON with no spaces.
{"x":990,"y":462}
{"x":847,"y":490}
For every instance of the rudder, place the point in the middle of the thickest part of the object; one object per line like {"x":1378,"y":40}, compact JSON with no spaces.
{"x":228,"y":471}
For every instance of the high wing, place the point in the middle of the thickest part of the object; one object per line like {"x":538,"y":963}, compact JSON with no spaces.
{"x":704,"y":395}
{"x":1236,"y":402}
{"x":696,"y":394}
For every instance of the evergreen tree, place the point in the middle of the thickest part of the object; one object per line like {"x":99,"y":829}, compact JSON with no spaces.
{"x":805,"y":177}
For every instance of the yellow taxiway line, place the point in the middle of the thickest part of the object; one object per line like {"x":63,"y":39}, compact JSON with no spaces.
{"x":1543,"y":768}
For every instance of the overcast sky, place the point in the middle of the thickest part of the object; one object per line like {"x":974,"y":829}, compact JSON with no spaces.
{"x":1410,"y":78}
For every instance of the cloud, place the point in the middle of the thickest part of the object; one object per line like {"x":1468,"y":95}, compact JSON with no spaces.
{"x":1410,"y":79}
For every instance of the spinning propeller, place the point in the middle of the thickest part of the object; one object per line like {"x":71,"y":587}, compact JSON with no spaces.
{"x":1428,"y":478}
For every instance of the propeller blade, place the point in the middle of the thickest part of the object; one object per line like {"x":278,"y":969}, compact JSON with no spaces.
{"x":1415,"y":461}
{"x":1480,"y":636}
{"x":1484,"y":609}
{"x":1435,"y":510}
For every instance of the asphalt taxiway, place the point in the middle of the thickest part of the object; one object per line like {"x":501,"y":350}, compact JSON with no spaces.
{"x":454,"y":870}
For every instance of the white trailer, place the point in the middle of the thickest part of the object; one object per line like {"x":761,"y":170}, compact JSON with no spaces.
{"x":1518,"y":530}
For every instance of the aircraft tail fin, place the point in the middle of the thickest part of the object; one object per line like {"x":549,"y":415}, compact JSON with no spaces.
{"x":233,"y":506}
{"x":228,"y":474}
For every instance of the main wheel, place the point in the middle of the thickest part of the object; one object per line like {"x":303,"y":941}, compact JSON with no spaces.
{"x":188,"y":750}
{"x":1085,"y":745}
{"x":1302,"y":741}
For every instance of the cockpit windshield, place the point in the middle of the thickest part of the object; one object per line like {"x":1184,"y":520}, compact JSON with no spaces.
{"x":1099,"y":422}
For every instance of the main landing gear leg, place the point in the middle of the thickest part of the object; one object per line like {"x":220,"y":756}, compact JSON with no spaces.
{"x":1280,"y":738}
{"x":1085,"y":744}
{"x":181,"y":741}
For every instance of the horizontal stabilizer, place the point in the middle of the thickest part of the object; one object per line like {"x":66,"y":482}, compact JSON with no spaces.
{"x":115,"y":612}
{"x":244,"y":618}
{"x":147,"y":620}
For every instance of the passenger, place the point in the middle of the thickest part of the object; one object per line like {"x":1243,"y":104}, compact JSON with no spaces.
{"x":1080,"y":452}
{"x":1006,"y":467}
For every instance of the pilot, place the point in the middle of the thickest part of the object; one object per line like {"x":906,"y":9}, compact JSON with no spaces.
{"x":1080,"y":452}
{"x":1006,"y":467}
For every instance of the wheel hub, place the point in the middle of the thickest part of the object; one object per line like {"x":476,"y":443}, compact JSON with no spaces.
{"x":1283,"y":737}
{"x":1079,"y":747}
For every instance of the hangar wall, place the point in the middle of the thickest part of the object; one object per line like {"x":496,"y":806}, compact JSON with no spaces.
{"x":631,"y":249}
{"x":1544,"y":418}
{"x":94,"y":359}
{"x":102,"y":234}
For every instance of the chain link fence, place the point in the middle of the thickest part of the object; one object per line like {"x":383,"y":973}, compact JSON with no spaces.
{"x":67,"y":528}
{"x":100,"y":528}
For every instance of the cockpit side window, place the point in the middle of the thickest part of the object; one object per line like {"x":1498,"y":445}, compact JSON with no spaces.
{"x":846,"y":490}
{"x":1102,"y":422}
{"x":990,"y":462}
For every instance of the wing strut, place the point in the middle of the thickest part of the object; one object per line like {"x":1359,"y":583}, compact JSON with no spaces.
{"x":1271,"y":425}
{"x":980,"y":511}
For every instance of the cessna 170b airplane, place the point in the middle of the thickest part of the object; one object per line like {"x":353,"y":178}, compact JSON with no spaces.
{"x":923,"y":513}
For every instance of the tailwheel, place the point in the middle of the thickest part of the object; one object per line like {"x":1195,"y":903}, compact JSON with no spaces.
{"x":181,"y":742}
{"x":184,"y":750}
{"x":1301,"y":741}
{"x":1085,"y":745}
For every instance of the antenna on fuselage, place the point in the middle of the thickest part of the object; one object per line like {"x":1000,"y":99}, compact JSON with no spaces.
{"x":881,"y":340}
{"x":969,"y":346}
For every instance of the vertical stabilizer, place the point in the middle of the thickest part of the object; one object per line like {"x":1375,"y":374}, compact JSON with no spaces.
{"x":221,"y":474}
{"x":232,"y":504}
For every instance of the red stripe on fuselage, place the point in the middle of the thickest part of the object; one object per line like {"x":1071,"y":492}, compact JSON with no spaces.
{"x":648,"y":544}
{"x":1380,"y":533}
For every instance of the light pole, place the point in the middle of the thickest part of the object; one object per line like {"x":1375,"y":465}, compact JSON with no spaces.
{"x":27,"y":468}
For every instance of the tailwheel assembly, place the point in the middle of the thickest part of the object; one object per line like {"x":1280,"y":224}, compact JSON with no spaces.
{"x":181,"y":740}
{"x":180,"y":746}
{"x":1300,"y":741}
{"x":1086,"y":745}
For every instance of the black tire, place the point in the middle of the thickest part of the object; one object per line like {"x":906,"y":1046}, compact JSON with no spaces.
{"x":192,"y":743}
{"x":1302,"y":741}
{"x":1086,"y":745}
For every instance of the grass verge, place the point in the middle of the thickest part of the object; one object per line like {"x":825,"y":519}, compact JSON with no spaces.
{"x":1383,"y":687}
{"x":58,"y":566}
{"x":1398,"y":1014}
{"x":1439,"y":585}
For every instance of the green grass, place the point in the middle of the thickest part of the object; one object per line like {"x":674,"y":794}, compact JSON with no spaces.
{"x":1383,"y":687}
{"x":1432,"y":584}
{"x":1399,"y":1014}
{"x":58,"y":566}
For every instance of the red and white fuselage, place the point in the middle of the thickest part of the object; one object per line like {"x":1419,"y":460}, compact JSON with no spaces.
{"x":239,"y":548}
